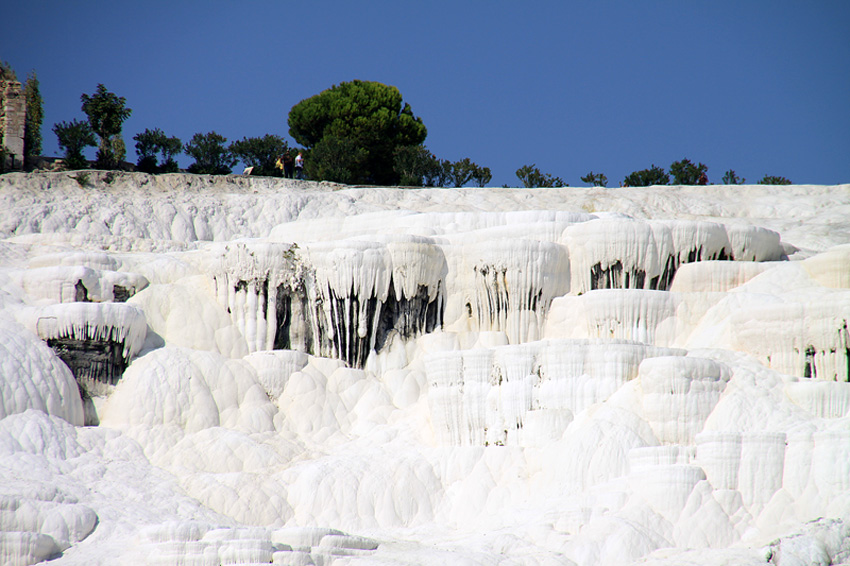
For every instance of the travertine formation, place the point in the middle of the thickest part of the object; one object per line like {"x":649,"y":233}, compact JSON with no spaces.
{"x":308,"y":374}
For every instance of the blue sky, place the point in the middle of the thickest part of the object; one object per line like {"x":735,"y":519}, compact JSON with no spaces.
{"x":761,"y":87}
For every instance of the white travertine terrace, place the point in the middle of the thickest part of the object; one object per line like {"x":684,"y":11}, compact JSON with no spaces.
{"x":306,"y":373}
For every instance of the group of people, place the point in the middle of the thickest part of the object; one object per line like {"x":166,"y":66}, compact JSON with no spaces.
{"x":291,"y":168}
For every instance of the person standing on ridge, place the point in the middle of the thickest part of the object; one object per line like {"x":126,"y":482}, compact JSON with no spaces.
{"x":287,"y":165}
{"x":299,"y":166}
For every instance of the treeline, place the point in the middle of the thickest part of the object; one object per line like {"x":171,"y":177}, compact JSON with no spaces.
{"x":683,"y":172}
{"x":357,"y":132}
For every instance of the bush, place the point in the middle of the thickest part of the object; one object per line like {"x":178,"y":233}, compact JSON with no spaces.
{"x":595,"y":179}
{"x":686,"y":173}
{"x":147,"y":146}
{"x":74,"y":137}
{"x":210,"y":154}
{"x":532,"y":177}
{"x":481,"y":176}
{"x":462,"y":171}
{"x":168,"y":150}
{"x":441,"y":174}
{"x":647,"y":177}
{"x":731,"y":178}
{"x":152,"y":142}
{"x":773,"y":180}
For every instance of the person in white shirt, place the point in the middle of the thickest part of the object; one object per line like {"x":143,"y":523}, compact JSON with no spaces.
{"x":299,"y":166}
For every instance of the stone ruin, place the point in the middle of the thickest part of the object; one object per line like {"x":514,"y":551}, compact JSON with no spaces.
{"x":13,"y":111}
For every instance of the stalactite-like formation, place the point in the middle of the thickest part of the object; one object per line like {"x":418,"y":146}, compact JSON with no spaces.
{"x":623,"y":253}
{"x":95,"y":340}
{"x":341,"y":300}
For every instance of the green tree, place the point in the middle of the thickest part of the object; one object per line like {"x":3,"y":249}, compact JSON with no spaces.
{"x":34,"y":117}
{"x":481,"y":176}
{"x":152,"y":142}
{"x":462,"y":171}
{"x":7,"y":73}
{"x":731,"y":178}
{"x":168,"y":150}
{"x":595,"y":179}
{"x":210,"y":154}
{"x":358,"y":114}
{"x":336,"y":159}
{"x":74,"y":137}
{"x":260,"y":153}
{"x":647,"y":178}
{"x":774,"y":180}
{"x":531,"y":177}
{"x":107,"y":113}
{"x":415,"y":165}
{"x":438,"y":173}
{"x":686,"y":173}
{"x":147,"y":147}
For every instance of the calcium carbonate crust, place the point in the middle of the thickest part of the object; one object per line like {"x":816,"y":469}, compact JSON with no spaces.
{"x":298,"y":373}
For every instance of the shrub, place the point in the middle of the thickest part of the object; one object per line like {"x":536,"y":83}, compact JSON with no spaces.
{"x":147,"y":146}
{"x":731,"y":178}
{"x":82,"y":179}
{"x":168,"y":150}
{"x":686,"y":173}
{"x":441,"y":175}
{"x":595,"y":179}
{"x":532,"y":177}
{"x":462,"y":171}
{"x":481,"y":176}
{"x":74,"y":137}
{"x":647,"y":177}
{"x":773,"y":180}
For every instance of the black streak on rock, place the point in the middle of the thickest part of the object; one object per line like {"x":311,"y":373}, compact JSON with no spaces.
{"x":335,"y":333}
{"x":100,"y":361}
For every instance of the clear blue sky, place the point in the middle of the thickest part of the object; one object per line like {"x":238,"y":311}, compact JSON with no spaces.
{"x":761,"y":87}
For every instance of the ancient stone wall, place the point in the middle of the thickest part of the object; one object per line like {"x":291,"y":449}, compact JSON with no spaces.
{"x":13,"y":111}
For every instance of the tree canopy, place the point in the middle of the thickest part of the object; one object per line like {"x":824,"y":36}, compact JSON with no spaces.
{"x":74,"y":137}
{"x":731,"y":178}
{"x":774,"y":180}
{"x":685,"y":172}
{"x":532,"y":177}
{"x":260,"y":153}
{"x":211,"y":156}
{"x":595,"y":179}
{"x":149,"y":143}
{"x":363,"y":114}
{"x":34,"y":117}
{"x":647,"y":177}
{"x":107,"y":112}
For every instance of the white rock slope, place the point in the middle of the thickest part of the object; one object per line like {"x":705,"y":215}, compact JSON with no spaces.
{"x":297,"y":373}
